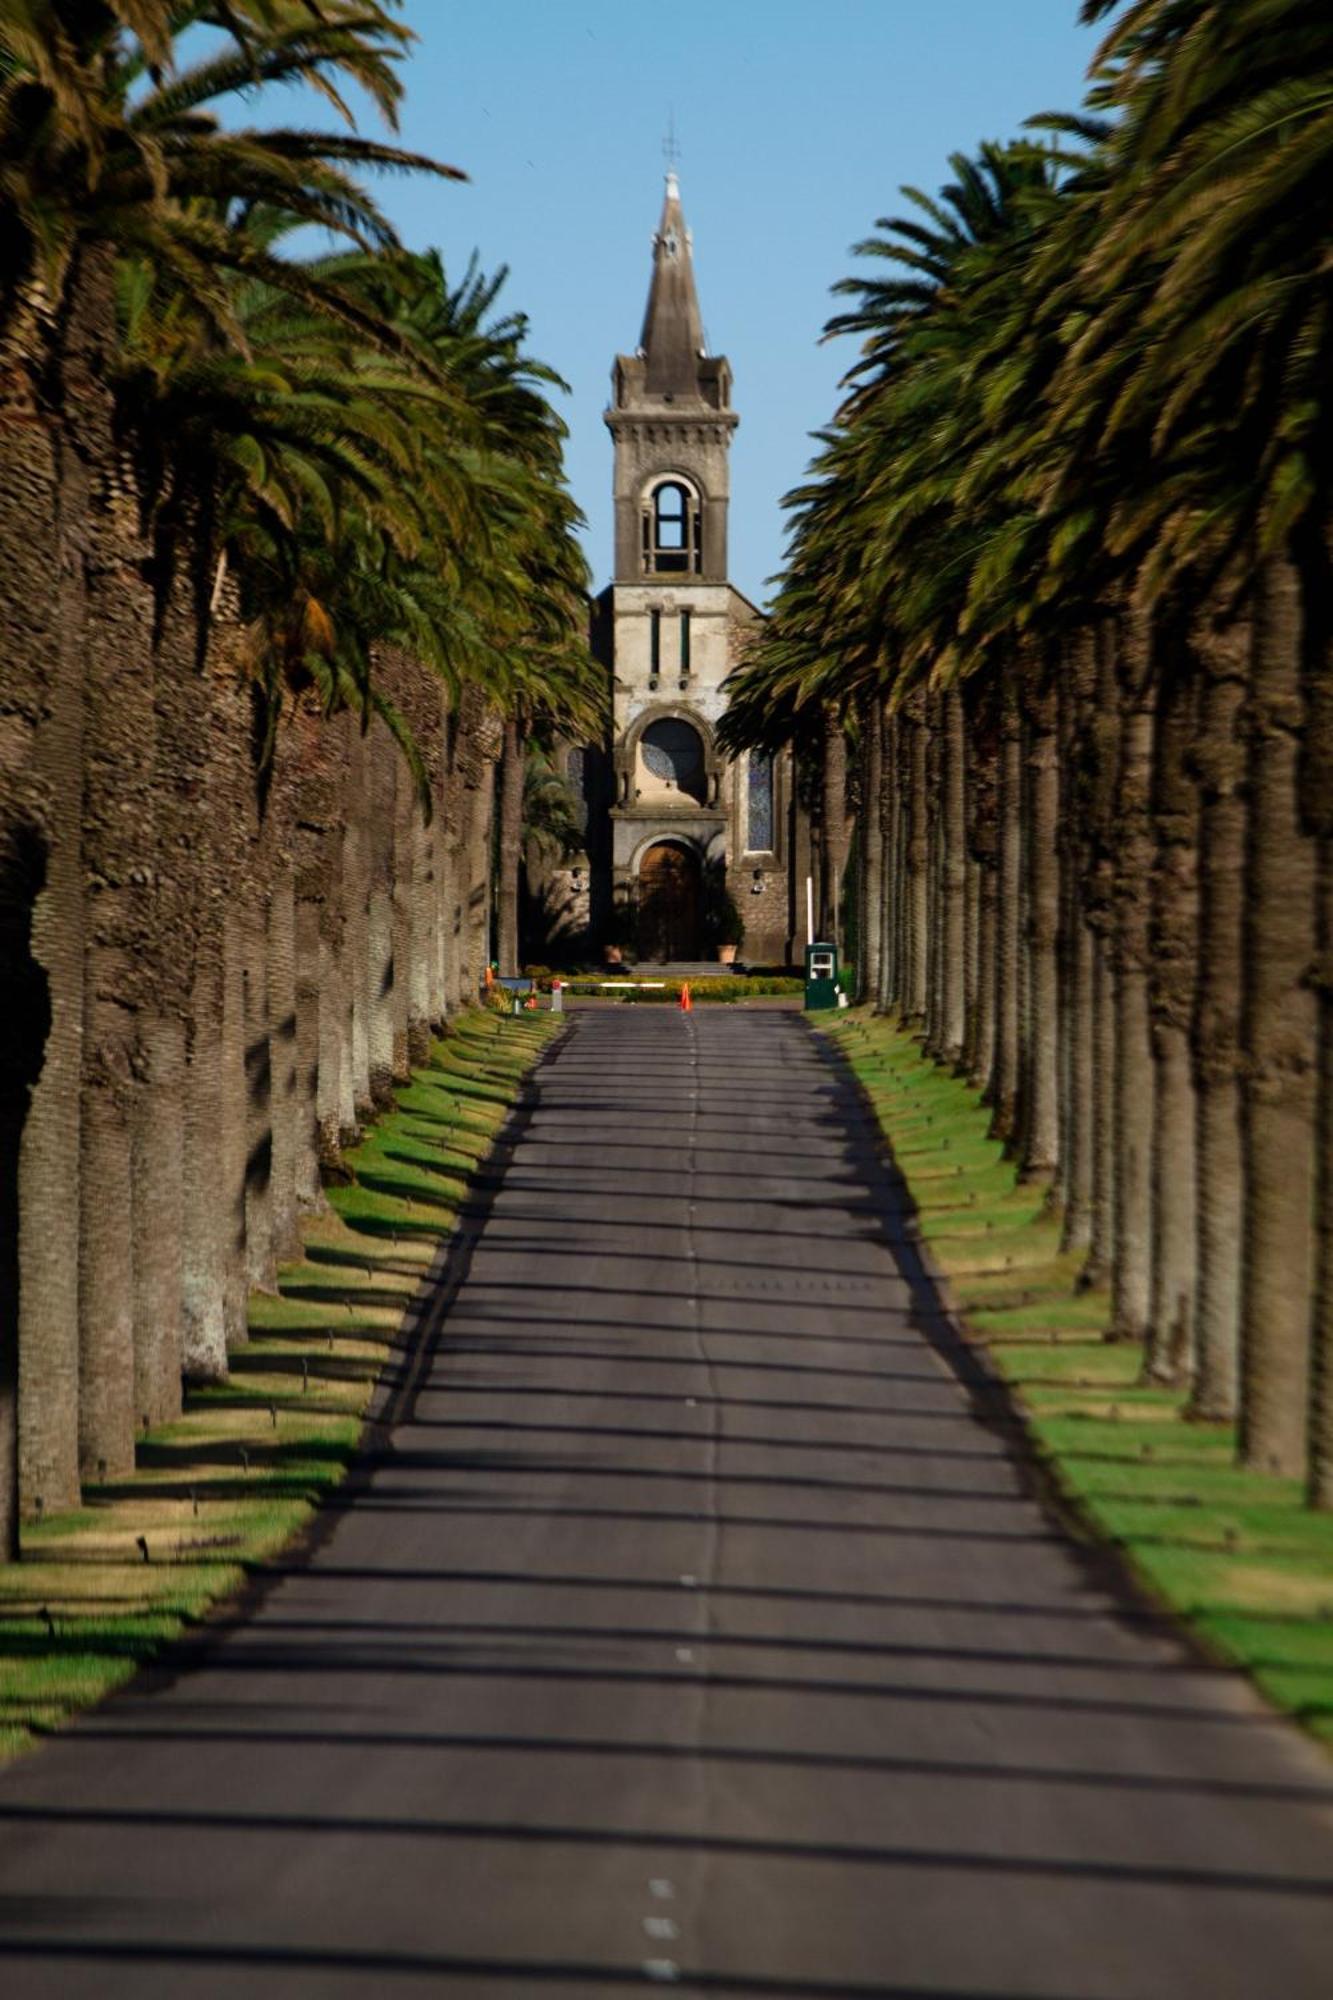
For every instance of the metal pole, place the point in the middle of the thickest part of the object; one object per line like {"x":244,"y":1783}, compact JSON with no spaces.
{"x":809,"y":909}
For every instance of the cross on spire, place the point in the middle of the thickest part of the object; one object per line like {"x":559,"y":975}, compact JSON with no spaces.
{"x":671,"y":145}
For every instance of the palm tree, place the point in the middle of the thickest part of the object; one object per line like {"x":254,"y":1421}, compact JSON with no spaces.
{"x":104,"y":149}
{"x":1225,"y":140}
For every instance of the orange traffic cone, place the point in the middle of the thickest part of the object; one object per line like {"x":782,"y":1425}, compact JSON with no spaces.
{"x":686,"y":1004}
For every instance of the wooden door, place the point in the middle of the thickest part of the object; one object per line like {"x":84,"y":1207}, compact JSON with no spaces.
{"x":669,"y":883}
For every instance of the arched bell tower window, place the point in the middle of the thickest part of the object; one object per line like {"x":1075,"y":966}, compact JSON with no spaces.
{"x":672,"y":530}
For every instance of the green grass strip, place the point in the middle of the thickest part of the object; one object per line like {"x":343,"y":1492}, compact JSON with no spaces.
{"x":1235,"y":1554}
{"x":226,"y":1487}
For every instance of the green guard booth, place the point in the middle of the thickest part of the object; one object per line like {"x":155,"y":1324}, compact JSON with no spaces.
{"x":821,"y":977}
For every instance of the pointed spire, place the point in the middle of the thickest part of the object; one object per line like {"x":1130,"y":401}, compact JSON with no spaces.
{"x":672,"y":340}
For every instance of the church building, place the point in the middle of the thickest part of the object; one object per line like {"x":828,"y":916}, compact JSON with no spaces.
{"x":674,"y":825}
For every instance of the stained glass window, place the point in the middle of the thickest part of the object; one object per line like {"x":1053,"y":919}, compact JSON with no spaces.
{"x":759,"y":837}
{"x":673,"y":751}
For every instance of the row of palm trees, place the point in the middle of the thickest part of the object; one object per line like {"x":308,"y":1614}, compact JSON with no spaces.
{"x":1061,"y":573}
{"x":287,"y":578}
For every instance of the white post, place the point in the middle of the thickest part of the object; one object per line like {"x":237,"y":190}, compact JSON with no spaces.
{"x":809,"y":909}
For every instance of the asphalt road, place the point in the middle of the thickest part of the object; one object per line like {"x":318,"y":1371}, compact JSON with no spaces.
{"x":698,"y":1629}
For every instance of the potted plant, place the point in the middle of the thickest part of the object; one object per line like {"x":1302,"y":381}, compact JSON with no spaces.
{"x":724,"y":925}
{"x":619,"y":934}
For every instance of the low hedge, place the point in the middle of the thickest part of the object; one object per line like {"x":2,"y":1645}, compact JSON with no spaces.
{"x":729,"y":988}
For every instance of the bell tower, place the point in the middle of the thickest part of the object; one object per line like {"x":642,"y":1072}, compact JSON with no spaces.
{"x":671,"y":420}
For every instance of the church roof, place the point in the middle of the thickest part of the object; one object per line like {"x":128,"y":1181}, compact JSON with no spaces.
{"x":672,"y":341}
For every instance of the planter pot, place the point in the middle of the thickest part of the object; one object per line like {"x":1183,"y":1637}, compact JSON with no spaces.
{"x":726,"y":954}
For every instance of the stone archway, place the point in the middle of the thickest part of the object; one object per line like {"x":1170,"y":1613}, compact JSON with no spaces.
{"x":670,"y":899}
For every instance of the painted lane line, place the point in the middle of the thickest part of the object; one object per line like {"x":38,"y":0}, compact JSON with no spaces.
{"x":661,"y":1927}
{"x":664,"y":1970}
{"x":660,"y":1887}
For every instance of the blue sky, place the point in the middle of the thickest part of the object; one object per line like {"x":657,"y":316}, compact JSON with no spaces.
{"x":797,"y":121}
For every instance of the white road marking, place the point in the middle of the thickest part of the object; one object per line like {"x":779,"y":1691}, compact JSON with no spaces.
{"x":690,"y":1580}
{"x":664,"y":1969}
{"x":664,"y":1891}
{"x":685,"y":1653}
{"x":661,"y":1927}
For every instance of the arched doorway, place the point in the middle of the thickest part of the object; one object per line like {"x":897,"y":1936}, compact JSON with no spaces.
{"x":669,"y":897}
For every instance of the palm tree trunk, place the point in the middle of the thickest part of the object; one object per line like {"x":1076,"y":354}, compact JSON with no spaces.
{"x":835,"y":826}
{"x":206,"y":1185}
{"x":315,"y":758}
{"x":870,"y":842}
{"x":1105,"y":1216}
{"x":119,"y":855}
{"x":971,"y":961}
{"x":898,"y":836}
{"x":359,"y":1105}
{"x":1078,"y":955}
{"x":511,"y":843}
{"x":1279,"y":1041}
{"x":452,"y":823}
{"x":187,"y":840}
{"x":25,"y":1008}
{"x":442,"y":908}
{"x":234,"y":1130}
{"x":1131,"y":1276}
{"x":931,"y":1038}
{"x":158,"y":1219}
{"x":917,"y":859}
{"x":1170,"y":1353}
{"x":1223,"y":652}
{"x":1041,"y":1124}
{"x":952,"y":930}
{"x":983,"y":838}
{"x":1317,"y":817}
{"x":196,"y":797}
{"x":1103,"y":767}
{"x":284,"y":1098}
{"x":261,"y":1268}
{"x":476,"y":743}
{"x":1004,"y":1088}
{"x":400,"y":997}
{"x":106,"y":1272}
{"x":382,"y":760}
{"x":44,"y":505}
{"x":310,"y":1003}
{"x":422,"y":1003}
{"x":480,"y":870}
{"x":1321,"y":1356}
{"x":890,"y":967}
{"x":334,"y":1116}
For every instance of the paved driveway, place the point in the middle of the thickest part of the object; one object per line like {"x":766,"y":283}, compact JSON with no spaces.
{"x":698,"y":1629}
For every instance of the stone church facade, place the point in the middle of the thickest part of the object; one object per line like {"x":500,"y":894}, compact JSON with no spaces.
{"x":671,"y":820}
